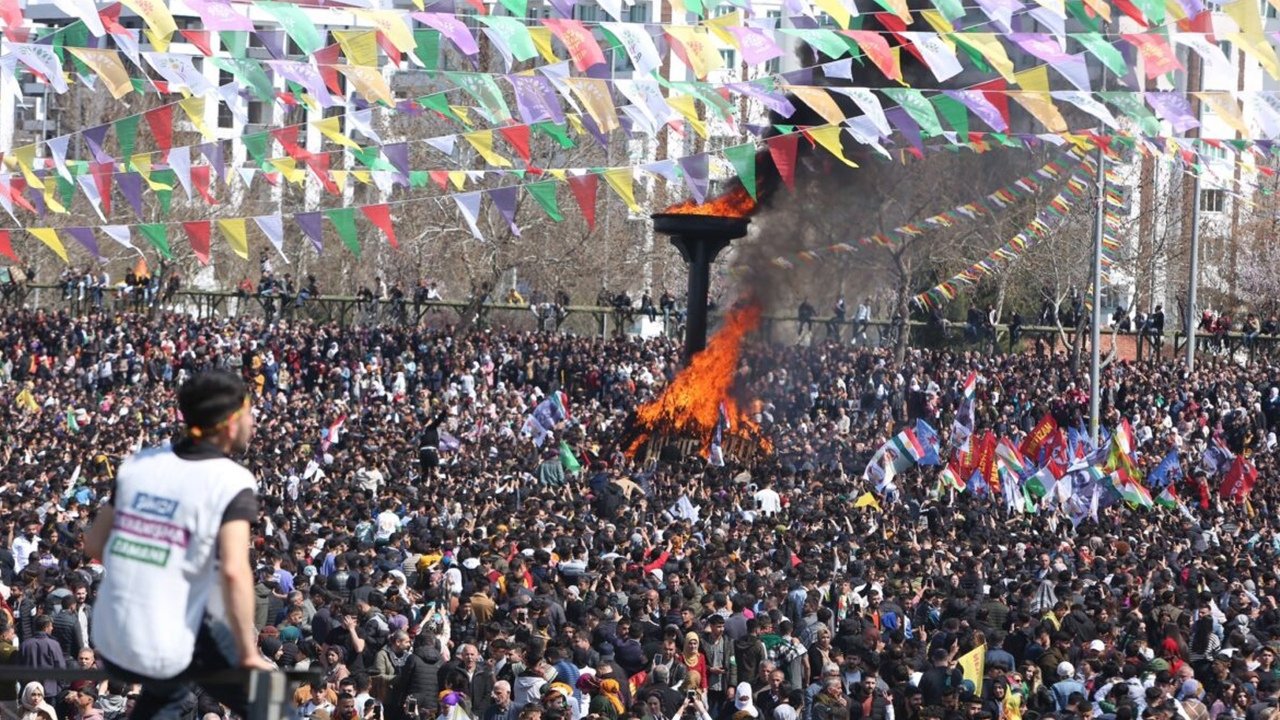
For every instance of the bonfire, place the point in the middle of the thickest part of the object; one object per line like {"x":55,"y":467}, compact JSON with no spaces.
{"x":734,"y":203}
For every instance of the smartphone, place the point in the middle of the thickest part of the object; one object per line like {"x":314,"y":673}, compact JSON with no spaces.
{"x":659,"y":659}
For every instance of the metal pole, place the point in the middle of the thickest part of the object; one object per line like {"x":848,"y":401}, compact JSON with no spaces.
{"x":1095,"y":327}
{"x":1193,"y":278}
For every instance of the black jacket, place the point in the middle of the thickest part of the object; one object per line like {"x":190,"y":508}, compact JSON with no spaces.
{"x":419,"y":679}
{"x":66,"y":630}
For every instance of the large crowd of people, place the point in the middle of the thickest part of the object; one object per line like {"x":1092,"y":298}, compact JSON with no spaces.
{"x":427,"y":559}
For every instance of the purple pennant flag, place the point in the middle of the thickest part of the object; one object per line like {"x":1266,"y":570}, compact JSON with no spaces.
{"x":1174,"y":108}
{"x":899,"y":118}
{"x":37,"y":200}
{"x":1192,"y":7}
{"x":218,"y":15}
{"x":696,"y":175}
{"x":398,"y":155}
{"x":590,"y":124}
{"x":130,"y":185}
{"x":504,"y":198}
{"x":409,"y":108}
{"x":96,"y":136}
{"x":84,"y":236}
{"x":757,"y":45}
{"x":212,"y":151}
{"x":980,"y":106}
{"x":536,"y":99}
{"x":803,"y":76}
{"x":1001,"y":12}
{"x":312,"y":224}
{"x":563,"y":8}
{"x":273,"y":41}
{"x":1041,"y":45}
{"x":775,"y":101}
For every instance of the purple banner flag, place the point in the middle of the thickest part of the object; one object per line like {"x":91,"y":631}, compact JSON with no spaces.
{"x":219,"y":16}
{"x":1174,"y":108}
{"x":37,"y":200}
{"x":312,"y":225}
{"x":398,"y":155}
{"x":696,"y":175}
{"x":563,"y":8}
{"x":84,"y":236}
{"x":757,"y":45}
{"x":899,"y":118}
{"x":536,"y":99}
{"x":504,"y":198}
{"x":95,"y":137}
{"x":130,"y":185}
{"x":980,"y":106}
{"x":775,"y":101}
{"x":273,"y":41}
{"x":1041,"y":45}
{"x":306,"y":75}
{"x":212,"y":151}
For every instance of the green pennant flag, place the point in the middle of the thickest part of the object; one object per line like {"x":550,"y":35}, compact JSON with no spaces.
{"x":1083,"y":14}
{"x":974,"y":56}
{"x":235,"y":41}
{"x":296,"y":25}
{"x":694,"y":6}
{"x":951,"y":9}
{"x":1153,"y":10}
{"x":67,"y":191}
{"x":428,"y":48}
{"x":439,"y":103}
{"x":419,"y":178}
{"x":344,"y":219}
{"x":165,"y":177}
{"x":157,"y":235}
{"x":828,"y":42}
{"x":567,"y":459}
{"x":127,"y":135}
{"x":545,"y":193}
{"x":556,"y":132}
{"x":914,"y":102}
{"x":366,"y":156}
{"x":513,"y":32}
{"x":256,"y":144}
{"x":249,"y":73}
{"x":955,"y":113}
{"x":485,"y":90}
{"x":1101,"y":48}
{"x":140,"y":85}
{"x":517,"y":8}
{"x":743,"y":158}
{"x":1130,"y":104}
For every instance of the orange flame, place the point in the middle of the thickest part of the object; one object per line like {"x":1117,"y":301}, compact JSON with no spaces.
{"x":690,"y":405}
{"x":736,"y":203}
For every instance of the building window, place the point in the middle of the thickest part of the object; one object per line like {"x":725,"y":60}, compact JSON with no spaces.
{"x":729,"y":58}
{"x":722,"y":9}
{"x":638,"y":13}
{"x":1213,"y":200}
{"x":1225,"y":45}
{"x":586,"y":13}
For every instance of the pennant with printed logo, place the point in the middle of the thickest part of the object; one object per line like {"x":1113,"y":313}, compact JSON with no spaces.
{"x":106,"y":64}
{"x":578,"y":40}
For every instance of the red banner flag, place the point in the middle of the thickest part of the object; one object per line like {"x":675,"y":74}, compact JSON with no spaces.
{"x":160,"y":120}
{"x":1240,"y":479}
{"x":584,"y":189}
{"x":380,"y":216}
{"x":1035,"y":440}
{"x":198,"y":235}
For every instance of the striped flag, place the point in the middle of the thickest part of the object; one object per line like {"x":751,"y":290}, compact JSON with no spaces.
{"x":1167,"y":498}
{"x":950,"y":477}
{"x":962,"y":427}
{"x":1012,"y":457}
{"x":1132,"y":492}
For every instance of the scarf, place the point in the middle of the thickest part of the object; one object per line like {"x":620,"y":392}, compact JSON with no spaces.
{"x":611,"y":690}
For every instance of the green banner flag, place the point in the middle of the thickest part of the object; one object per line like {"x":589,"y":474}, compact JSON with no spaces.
{"x":428,"y":49}
{"x":296,"y":25}
{"x":165,"y":177}
{"x":366,"y":156}
{"x":518,"y":8}
{"x":485,"y":90}
{"x":1083,"y":14}
{"x":545,"y":193}
{"x":67,"y":191}
{"x":419,"y":178}
{"x":157,"y":235}
{"x":249,"y":73}
{"x":743,"y":158}
{"x":256,"y":144}
{"x":1101,"y":48}
{"x":439,"y":103}
{"x":344,"y":219}
{"x":568,"y":460}
{"x":556,"y":132}
{"x":914,"y":102}
{"x":955,"y":113}
{"x":1132,"y":106}
{"x":235,"y":41}
{"x":513,"y":32}
{"x":127,"y":135}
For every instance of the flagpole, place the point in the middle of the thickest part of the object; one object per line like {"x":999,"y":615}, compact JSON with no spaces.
{"x":1193,"y":278}
{"x":1095,"y":331}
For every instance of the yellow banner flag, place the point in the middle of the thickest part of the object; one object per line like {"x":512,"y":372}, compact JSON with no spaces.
{"x":542,"y":41}
{"x":155,"y":13}
{"x":458,"y":178}
{"x":142,"y":164}
{"x":160,"y":43}
{"x":829,"y":138}
{"x":866,"y":499}
{"x":684,"y":105}
{"x":340,"y":179}
{"x":974,"y":666}
{"x":107,"y":65}
{"x":595,"y":97}
{"x":820,"y":100}
{"x":369,"y":83}
{"x":720,"y":25}
{"x":360,"y":46}
{"x":49,"y":237}
{"x":1041,"y":106}
{"x":940,"y":24}
{"x":51,"y":199}
{"x":392,"y":25}
{"x":699,"y":52}
{"x":233,"y":230}
{"x":1251,"y":38}
{"x":364,"y":177}
{"x":990,"y":47}
{"x":194,"y":108}
{"x":26,"y":158}
{"x":332,"y":129}
{"x":288,"y":167}
{"x":621,"y":180}
{"x":1034,"y":79}
{"x":1225,"y":105}
{"x":838,"y":12}
{"x":899,"y":8}
{"x":482,"y":141}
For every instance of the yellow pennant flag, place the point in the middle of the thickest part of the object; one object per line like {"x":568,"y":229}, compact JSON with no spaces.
{"x":595,"y":97}
{"x":360,"y":46}
{"x":155,"y":13}
{"x":940,"y":24}
{"x":159,"y":42}
{"x":974,"y":666}
{"x":990,"y":47}
{"x":340,"y":179}
{"x":1225,"y":105}
{"x":820,"y":100}
{"x":720,"y":25}
{"x":838,"y":12}
{"x":464,"y":114}
{"x":233,"y":230}
{"x":621,"y":180}
{"x":1102,"y":7}
{"x":1175,"y":11}
{"x":332,"y":129}
{"x":288,"y":167}
{"x":364,"y":177}
{"x":899,"y":8}
{"x":1251,"y":38}
{"x":1034,"y":79}
{"x":683,"y":104}
{"x":866,"y":499}
{"x":26,"y":158}
{"x":699,"y":51}
{"x":49,"y":237}
{"x":1041,"y":106}
{"x":829,"y":138}
{"x":392,"y":26}
{"x":369,"y":83}
{"x":482,"y":141}
{"x":542,"y":41}
{"x":559,"y":173}
{"x":458,"y":178}
{"x":51,"y":198}
{"x":106,"y":64}
{"x":194,"y":108}
{"x":142,"y":164}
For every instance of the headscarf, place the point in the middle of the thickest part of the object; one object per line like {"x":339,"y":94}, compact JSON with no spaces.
{"x":28,"y":691}
{"x":610,"y":689}
{"x":690,"y":656}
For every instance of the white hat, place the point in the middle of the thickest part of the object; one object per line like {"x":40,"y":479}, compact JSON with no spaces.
{"x":656,"y":572}
{"x":1097,"y":646}
{"x":471,"y":563}
{"x":1066,"y":669}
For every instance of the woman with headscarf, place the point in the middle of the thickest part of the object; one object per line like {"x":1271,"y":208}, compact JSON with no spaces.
{"x":693,"y":659}
{"x":32,"y":705}
{"x":607,"y":701}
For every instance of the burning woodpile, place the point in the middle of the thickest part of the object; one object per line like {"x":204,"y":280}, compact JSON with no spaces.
{"x":703,"y":400}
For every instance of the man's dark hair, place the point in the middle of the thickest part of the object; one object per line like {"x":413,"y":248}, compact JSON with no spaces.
{"x":43,"y":623}
{"x":210,"y":397}
{"x":362,"y":681}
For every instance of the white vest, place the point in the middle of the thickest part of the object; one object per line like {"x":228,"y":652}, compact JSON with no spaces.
{"x":161,"y":573}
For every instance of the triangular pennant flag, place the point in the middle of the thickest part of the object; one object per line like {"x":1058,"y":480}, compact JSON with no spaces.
{"x":518,"y":137}
{"x":505,"y":199}
{"x":311,"y":224}
{"x":380,"y":216}
{"x":584,"y":189}
{"x":783,"y":148}
{"x":121,"y":235}
{"x":84,"y":236}
{"x":198,"y":236}
{"x":49,"y":237}
{"x":273,"y":227}
{"x":157,"y":235}
{"x":6,"y":247}
{"x":622,"y":181}
{"x":233,"y":229}
{"x":696,"y":175}
{"x":743,"y":159}
{"x":482,"y":141}
{"x":829,"y":138}
{"x":344,"y":220}
{"x":545,"y":194}
{"x":469,"y":205}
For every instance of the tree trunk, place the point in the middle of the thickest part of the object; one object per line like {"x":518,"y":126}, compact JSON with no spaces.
{"x":902,"y":308}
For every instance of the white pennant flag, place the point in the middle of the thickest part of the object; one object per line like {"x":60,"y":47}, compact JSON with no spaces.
{"x":86,"y":11}
{"x":638,"y":110}
{"x":663,"y":168}
{"x":58,"y":148}
{"x":444,"y":143}
{"x":43,"y":60}
{"x":469,"y":204}
{"x":1216,"y":63}
{"x":180,"y":164}
{"x":180,"y":73}
{"x":1266,"y":113}
{"x":127,"y":41}
{"x":638,"y":43}
{"x":940,"y":57}
{"x":1085,"y":102}
{"x":870,"y":106}
{"x":246,"y":176}
{"x":235,"y":102}
{"x":362,"y":120}
{"x":1051,"y":20}
{"x":90,"y":189}
{"x":273,"y":227}
{"x":121,"y":234}
{"x":864,"y":130}
{"x":384,"y":180}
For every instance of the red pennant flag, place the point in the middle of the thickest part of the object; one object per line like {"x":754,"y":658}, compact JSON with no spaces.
{"x":200,"y":178}
{"x":584,"y":189}
{"x":518,"y":136}
{"x":198,"y":234}
{"x":380,"y":216}
{"x":6,"y":247}
{"x":895,"y":25}
{"x":102,"y":174}
{"x":199,"y":38}
{"x":273,"y":179}
{"x":110,"y":17}
{"x":160,"y":121}
{"x":439,"y":177}
{"x":388,"y":47}
{"x":479,"y":6}
{"x":782,"y":149}
{"x":1202,"y":23}
{"x":1132,"y":11}
{"x":287,"y":136}
{"x":326,"y":59}
{"x":994,"y":92}
{"x":16,"y":189}
{"x":319,"y":164}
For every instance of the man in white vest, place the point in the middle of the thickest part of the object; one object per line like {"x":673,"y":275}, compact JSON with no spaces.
{"x":177,"y":597}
